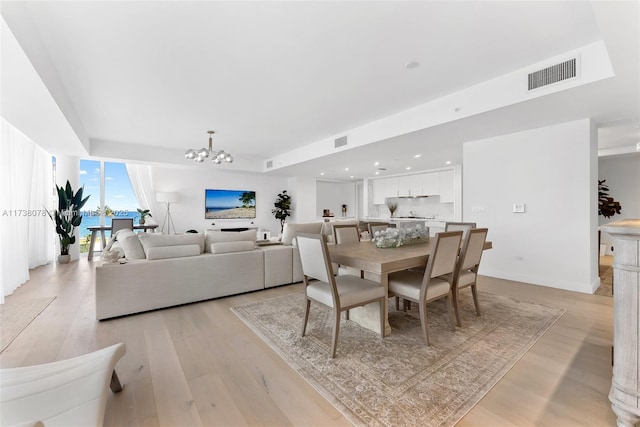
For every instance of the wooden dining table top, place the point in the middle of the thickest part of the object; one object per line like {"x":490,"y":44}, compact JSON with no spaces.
{"x":366,"y":256}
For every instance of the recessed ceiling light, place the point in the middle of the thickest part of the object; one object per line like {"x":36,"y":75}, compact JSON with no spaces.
{"x":321,"y":173}
{"x":411,"y":65}
{"x":408,"y":167}
{"x":376,"y":163}
{"x":347,"y":169}
{"x":448,"y":162}
{"x":377,"y":172}
{"x":351,"y":176}
{"x":417,"y":156}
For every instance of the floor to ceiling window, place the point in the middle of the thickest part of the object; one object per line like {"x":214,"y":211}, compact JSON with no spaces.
{"x":111,"y":197}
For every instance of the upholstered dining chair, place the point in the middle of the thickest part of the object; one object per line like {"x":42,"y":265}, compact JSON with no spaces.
{"x":121,"y":224}
{"x":466,"y":273}
{"x":340,"y":293}
{"x":436,"y":281}
{"x":464,"y":226}
{"x":377,"y":226}
{"x":347,"y":233}
{"x":71,"y":392}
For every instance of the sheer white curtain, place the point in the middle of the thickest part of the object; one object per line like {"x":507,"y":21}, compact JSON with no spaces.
{"x":142,"y":184}
{"x":28,"y":234}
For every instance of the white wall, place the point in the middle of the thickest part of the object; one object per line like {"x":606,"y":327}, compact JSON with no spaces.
{"x":332,"y":195}
{"x":623,"y":179}
{"x":303,"y":199}
{"x":553,"y":171}
{"x":191,"y":182}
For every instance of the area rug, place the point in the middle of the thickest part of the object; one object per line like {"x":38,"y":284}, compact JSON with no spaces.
{"x":398,"y":380}
{"x":15,"y":316}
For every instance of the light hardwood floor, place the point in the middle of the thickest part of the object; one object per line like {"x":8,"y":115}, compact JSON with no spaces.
{"x":199,"y":365}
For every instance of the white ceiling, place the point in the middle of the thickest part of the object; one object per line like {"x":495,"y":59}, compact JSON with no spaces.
{"x":270,"y":77}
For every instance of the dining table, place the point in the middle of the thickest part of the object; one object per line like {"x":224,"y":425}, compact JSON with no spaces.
{"x":378,"y":264}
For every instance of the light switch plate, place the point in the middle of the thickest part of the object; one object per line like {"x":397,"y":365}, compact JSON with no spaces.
{"x":518,"y":207}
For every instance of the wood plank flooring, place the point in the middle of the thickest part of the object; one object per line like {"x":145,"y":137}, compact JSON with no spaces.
{"x":198,"y":364}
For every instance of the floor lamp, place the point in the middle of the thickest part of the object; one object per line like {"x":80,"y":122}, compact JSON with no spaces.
{"x":167,"y":198}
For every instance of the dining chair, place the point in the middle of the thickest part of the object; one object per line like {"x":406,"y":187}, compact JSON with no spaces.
{"x":466,"y":273}
{"x":436,"y":281}
{"x":347,"y":233}
{"x":340,"y":293}
{"x":377,"y":226}
{"x":121,"y":224}
{"x":464,"y":226}
{"x":70,"y":392}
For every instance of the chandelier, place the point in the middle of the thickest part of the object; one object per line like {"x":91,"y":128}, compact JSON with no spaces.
{"x":217,"y":157}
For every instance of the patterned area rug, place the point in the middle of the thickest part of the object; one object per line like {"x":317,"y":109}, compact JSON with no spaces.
{"x":398,"y":380}
{"x":14,"y":317}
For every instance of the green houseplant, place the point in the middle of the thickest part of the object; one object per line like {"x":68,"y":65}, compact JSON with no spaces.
{"x":67,"y":217}
{"x":144,"y":213}
{"x":282,"y":208}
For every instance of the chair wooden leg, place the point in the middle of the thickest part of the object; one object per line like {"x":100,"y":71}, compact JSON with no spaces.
{"x":336,"y":329}
{"x":306,"y":317}
{"x":474,"y":290}
{"x":382,"y":317}
{"x":115,"y":385}
{"x":456,"y":302}
{"x":398,"y":303}
{"x":450,"y":310}
{"x":423,"y":321}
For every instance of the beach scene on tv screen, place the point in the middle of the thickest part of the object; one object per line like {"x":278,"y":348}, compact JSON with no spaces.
{"x":228,"y":204}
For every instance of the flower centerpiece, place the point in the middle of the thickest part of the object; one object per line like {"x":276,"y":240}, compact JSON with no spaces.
{"x":395,"y":237}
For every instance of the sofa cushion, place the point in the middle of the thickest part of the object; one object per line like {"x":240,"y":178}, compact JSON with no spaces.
{"x":130,"y":244}
{"x":152,"y":240}
{"x":216,"y":236}
{"x":227,"y":247}
{"x":176,"y":251}
{"x":290,"y":230}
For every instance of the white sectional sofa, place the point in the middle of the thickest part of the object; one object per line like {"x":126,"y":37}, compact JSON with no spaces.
{"x":167,"y":270}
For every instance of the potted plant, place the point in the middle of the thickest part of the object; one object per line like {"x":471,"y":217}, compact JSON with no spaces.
{"x":67,"y":217}
{"x":282,"y":208}
{"x":143,"y":214}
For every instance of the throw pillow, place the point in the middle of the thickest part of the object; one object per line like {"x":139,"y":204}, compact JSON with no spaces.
{"x":152,"y":240}
{"x":216,"y":236}
{"x":227,"y":247}
{"x":132,"y":247}
{"x":174,"y":251}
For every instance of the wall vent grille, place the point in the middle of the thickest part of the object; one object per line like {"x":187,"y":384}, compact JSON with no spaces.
{"x":340,"y":142}
{"x":555,"y":73}
{"x":269,"y":164}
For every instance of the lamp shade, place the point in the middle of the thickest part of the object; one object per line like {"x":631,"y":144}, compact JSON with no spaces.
{"x":167,"y":197}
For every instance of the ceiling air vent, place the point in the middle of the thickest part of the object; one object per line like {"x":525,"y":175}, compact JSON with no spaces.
{"x":340,"y":142}
{"x":555,"y":73}
{"x":269,"y":164}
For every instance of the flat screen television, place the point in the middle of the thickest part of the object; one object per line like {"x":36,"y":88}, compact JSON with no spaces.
{"x":229,"y":204}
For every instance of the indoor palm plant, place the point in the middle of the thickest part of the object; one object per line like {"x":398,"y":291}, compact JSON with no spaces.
{"x":67,"y":217}
{"x":282,"y":208}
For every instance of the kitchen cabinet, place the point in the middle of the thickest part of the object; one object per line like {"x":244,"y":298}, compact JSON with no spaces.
{"x":383,"y":188}
{"x":430,"y":184}
{"x":409,"y":185}
{"x":445,"y":182}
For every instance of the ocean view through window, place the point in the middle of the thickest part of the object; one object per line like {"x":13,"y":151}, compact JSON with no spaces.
{"x":112,"y":197}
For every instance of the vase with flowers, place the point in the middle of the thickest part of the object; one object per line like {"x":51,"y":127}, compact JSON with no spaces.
{"x":392,"y":206}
